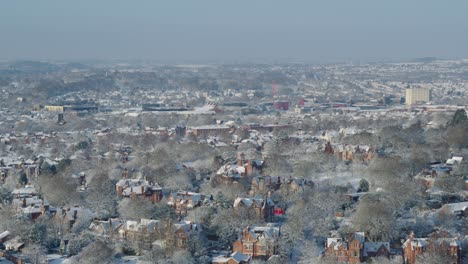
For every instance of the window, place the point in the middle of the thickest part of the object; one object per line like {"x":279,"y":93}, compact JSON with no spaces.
{"x":248,"y":246}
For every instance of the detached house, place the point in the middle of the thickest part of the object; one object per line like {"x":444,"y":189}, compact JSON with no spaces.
{"x":251,"y":166}
{"x":65,"y":218}
{"x":355,"y":248}
{"x":145,"y":230}
{"x":258,"y":241}
{"x":139,"y":188}
{"x":350,"y":153}
{"x":263,"y":208}
{"x":176,"y":235}
{"x":439,"y":243}
{"x":32,"y":207}
{"x":183,"y":201}
{"x":229,"y":173}
{"x":182,"y":232}
{"x":106,"y":228}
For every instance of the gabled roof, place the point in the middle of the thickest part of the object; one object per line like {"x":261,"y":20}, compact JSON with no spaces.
{"x":135,"y":186}
{"x":4,"y":234}
{"x":187,"y":227}
{"x":371,"y":248}
{"x":457,"y":207}
{"x":336,"y":243}
{"x":106,"y":225}
{"x":26,"y":190}
{"x":360,"y":236}
{"x":239,"y":257}
{"x":248,"y":202}
{"x":264,"y":232}
{"x":417,"y":242}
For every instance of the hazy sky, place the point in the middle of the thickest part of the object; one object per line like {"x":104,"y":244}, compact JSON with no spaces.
{"x":235,"y":30}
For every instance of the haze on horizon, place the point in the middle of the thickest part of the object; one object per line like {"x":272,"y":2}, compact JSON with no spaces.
{"x":234,"y":31}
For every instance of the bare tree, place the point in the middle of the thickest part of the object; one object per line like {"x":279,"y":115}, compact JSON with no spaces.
{"x":97,"y":252}
{"x":36,"y":253}
{"x":102,"y":198}
{"x":375,"y":217}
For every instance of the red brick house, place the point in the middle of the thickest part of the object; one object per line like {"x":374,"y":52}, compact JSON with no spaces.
{"x":183,"y":201}
{"x":251,"y":166}
{"x":177,"y":235}
{"x":258,"y":241}
{"x":183,"y":231}
{"x":354,"y":248}
{"x":438,"y":243}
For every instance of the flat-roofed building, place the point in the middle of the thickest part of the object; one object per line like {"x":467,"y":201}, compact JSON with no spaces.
{"x":54,"y":108}
{"x":417,"y":96}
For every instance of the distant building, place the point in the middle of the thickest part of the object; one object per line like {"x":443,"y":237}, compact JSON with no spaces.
{"x":54,"y":108}
{"x":60,"y":119}
{"x":417,"y":96}
{"x":180,"y":130}
{"x":281,"y":106}
{"x":139,"y":188}
{"x":207,"y":130}
{"x":183,"y":201}
{"x":263,"y":208}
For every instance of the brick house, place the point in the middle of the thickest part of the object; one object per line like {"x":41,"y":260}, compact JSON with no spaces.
{"x":258,"y":241}
{"x":354,"y":248}
{"x":328,"y":148}
{"x":183,"y":201}
{"x":252,"y":166}
{"x":263,"y":208}
{"x":344,"y":152}
{"x":207,"y":130}
{"x":32,"y":207}
{"x":65,"y":218}
{"x":182,"y":232}
{"x":139,"y":188}
{"x":242,"y":168}
{"x":106,"y":228}
{"x":145,"y":231}
{"x":229,"y":173}
{"x":177,"y":235}
{"x":350,"y":153}
{"x":439,"y":243}
{"x":263,"y":184}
